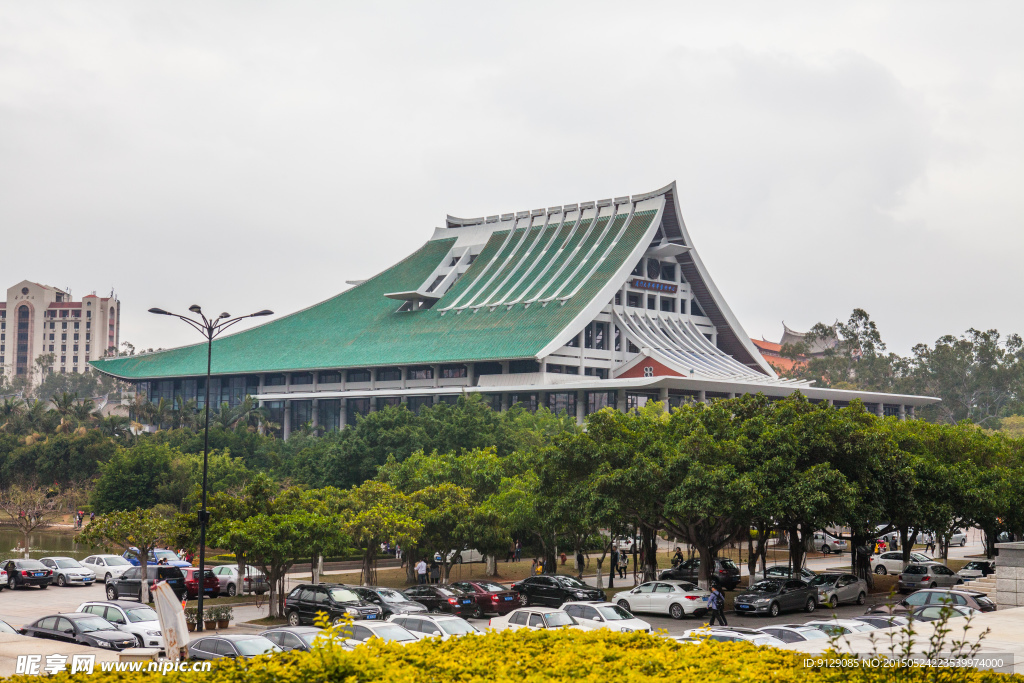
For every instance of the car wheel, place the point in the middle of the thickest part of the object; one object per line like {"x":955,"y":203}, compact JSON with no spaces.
{"x":10,"y":583}
{"x":293,"y":618}
{"x":43,"y":586}
{"x":477,"y":613}
{"x":61,"y":581}
{"x":232,"y":590}
{"x":934,"y":585}
{"x":139,"y":641}
{"x":106,"y":578}
{"x":880,"y":569}
{"x":260,"y":592}
{"x":624,"y":604}
{"x":862,"y":598}
{"x":963,"y":542}
{"x":812,"y":603}
{"x":833,"y":602}
{"x":458,"y":560}
{"x":773,"y":609}
{"x":825,"y":550}
{"x":676,"y":610}
{"x":111,"y":593}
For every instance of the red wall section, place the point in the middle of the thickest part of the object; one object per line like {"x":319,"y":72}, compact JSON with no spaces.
{"x":660,"y":369}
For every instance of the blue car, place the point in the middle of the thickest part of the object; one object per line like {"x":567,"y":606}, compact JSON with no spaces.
{"x":155,"y":556}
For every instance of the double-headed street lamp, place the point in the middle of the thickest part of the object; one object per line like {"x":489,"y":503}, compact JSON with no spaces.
{"x":211,"y":329}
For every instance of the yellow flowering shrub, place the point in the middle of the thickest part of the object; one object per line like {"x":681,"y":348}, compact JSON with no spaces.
{"x":525,"y":657}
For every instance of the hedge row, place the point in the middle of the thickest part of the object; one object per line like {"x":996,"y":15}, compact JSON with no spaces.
{"x":525,"y":657}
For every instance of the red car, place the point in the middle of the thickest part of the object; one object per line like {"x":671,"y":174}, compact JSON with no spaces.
{"x":491,"y":598}
{"x":211,"y":584}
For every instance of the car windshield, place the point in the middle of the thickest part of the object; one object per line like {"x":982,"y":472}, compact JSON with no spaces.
{"x":308,"y":638}
{"x":812,"y":634}
{"x":766,"y":586}
{"x":569,"y":581}
{"x":456,"y":627}
{"x":259,"y":645}
{"x":165,"y":555}
{"x":915,"y":569}
{"x":832,"y":629}
{"x":392,"y":632}
{"x":93,"y":624}
{"x":553,"y":619}
{"x":67,"y":564}
{"x":492,"y":587}
{"x":761,"y":640}
{"x":449,"y":591}
{"x":824,"y":580}
{"x":728,"y":564}
{"x":919,"y":557}
{"x":7,"y":628}
{"x":343,"y":595}
{"x":614,"y":613}
{"x":29,"y":564}
{"x":976,"y":565}
{"x":388,"y":595}
{"x":115,"y":561}
{"x":137,"y":614}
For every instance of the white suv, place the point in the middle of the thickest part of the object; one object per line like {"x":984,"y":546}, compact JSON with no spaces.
{"x":131,"y":617}
{"x":892,"y":561}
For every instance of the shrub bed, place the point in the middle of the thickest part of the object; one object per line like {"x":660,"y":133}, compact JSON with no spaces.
{"x":521,"y":656}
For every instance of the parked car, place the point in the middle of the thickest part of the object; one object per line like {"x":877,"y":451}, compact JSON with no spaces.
{"x":442,"y":599}
{"x":129,"y":584}
{"x":21,"y":573}
{"x":555,"y":589}
{"x":534,"y":619}
{"x":466,"y":555}
{"x":773,"y":596}
{"x":595,"y":615}
{"x":827,"y":543}
{"x":834,"y":589}
{"x":8,"y":629}
{"x":68,"y":571}
{"x":211,"y":585}
{"x":931,"y":575}
{"x":306,"y":600}
{"x":385,"y":630}
{"x":253,"y":582}
{"x":892,"y":562}
{"x":841,"y":627}
{"x":107,"y":566}
{"x":289,"y":638}
{"x":80,"y":628}
{"x":3,"y":578}
{"x":389,"y":600}
{"x":977,"y":569}
{"x":783,"y":571}
{"x":794,"y":633}
{"x":231,"y":646}
{"x":733,"y":634}
{"x":725,"y":575}
{"x":138,"y":620}
{"x":884,"y":620}
{"x":675,"y":598}
{"x":936,"y":612}
{"x":441,"y":626}
{"x":492,"y":598}
{"x":155,"y":556}
{"x":938,"y":596}
{"x":958,"y":538}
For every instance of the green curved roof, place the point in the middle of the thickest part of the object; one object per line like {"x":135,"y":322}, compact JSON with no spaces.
{"x":362,"y":327}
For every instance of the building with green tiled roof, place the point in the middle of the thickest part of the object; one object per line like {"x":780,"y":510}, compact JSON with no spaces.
{"x":575,"y":307}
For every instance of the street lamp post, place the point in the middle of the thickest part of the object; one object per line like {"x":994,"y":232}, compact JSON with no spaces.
{"x":211,"y":328}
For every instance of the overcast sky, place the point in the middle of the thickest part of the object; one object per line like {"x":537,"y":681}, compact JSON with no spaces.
{"x":256,"y":155}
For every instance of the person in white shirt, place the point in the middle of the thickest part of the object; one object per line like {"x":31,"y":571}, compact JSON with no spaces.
{"x":421,"y":571}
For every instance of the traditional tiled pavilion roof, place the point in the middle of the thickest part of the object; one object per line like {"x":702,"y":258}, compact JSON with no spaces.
{"x":538,"y":279}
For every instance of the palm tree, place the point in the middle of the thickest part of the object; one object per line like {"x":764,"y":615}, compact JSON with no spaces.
{"x":64,"y":403}
{"x":10,"y":413}
{"x":116,"y":426}
{"x":184,"y":415}
{"x":83,"y":411}
{"x":39,"y":418}
{"x":161,"y":413}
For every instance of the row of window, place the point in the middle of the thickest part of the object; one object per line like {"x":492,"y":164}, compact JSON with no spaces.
{"x":653,"y":269}
{"x":366,"y":375}
{"x":666,"y":305}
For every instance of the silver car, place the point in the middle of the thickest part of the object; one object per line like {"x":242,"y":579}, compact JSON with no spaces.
{"x":834,"y":589}
{"x":68,"y":571}
{"x":253,"y":582}
{"x":918,"y":576}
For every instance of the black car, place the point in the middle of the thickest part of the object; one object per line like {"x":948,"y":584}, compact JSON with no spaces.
{"x":305,"y":601}
{"x":21,"y":573}
{"x":443,"y":599}
{"x":81,"y":628}
{"x":772,"y":596}
{"x":556,"y":589}
{"x":232,"y":646}
{"x":725,"y":575}
{"x":293,"y":637}
{"x":389,"y":600}
{"x":129,"y":584}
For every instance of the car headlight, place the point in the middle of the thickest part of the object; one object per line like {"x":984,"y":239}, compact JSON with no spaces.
{"x":351,"y":610}
{"x":153,"y":633}
{"x":626,"y":630}
{"x":104,"y":643}
{"x":762,"y":601}
{"x":579,"y":594}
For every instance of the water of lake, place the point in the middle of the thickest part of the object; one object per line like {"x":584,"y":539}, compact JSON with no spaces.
{"x":42,"y":544}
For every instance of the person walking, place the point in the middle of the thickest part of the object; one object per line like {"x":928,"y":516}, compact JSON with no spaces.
{"x":519,"y":551}
{"x":511,"y":555}
{"x":716,"y":603}
{"x":533,"y":567}
{"x":421,"y":571}
{"x":579,"y":563}
{"x":435,"y":572}
{"x":623,"y":564}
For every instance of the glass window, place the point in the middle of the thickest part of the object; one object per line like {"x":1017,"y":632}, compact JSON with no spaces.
{"x":302,"y":378}
{"x":522,"y":366}
{"x":652,"y":302}
{"x":416,"y":403}
{"x":668,"y":272}
{"x":453,"y":371}
{"x":389,"y":374}
{"x":535,"y":621}
{"x":560,"y":402}
{"x":668,"y":304}
{"x":357,"y":407}
{"x":596,"y":400}
{"x":272,"y":381}
{"x":388,"y":401}
{"x":329,"y":414}
{"x":596,"y":372}
{"x":302,"y":413}
{"x":638,"y":270}
{"x":329,"y":377}
{"x":555,"y":619}
{"x":519,"y":618}
{"x":633,"y":300}
{"x":527,"y":401}
{"x":358,"y":375}
{"x":421,"y":372}
{"x":695,"y":308}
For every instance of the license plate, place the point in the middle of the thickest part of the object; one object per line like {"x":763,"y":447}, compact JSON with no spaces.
{"x":38,"y":574}
{"x":509,"y":599}
{"x":371,"y":616}
{"x":466,"y":602}
{"x":742,"y":606}
{"x":705,"y":598}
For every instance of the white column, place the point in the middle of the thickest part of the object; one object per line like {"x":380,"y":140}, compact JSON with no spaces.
{"x":405,"y":376}
{"x":620,"y":400}
{"x":903,"y":412}
{"x":316,"y":410}
{"x":702,"y":396}
{"x":437,"y":374}
{"x":881,"y":409}
{"x":286,"y":428}
{"x":581,"y":399}
{"x":663,"y":397}
{"x":343,"y":414}
{"x":911,"y":412}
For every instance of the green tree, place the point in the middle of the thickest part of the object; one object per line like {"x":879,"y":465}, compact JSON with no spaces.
{"x":137,"y":531}
{"x":376,"y":512}
{"x":32,"y":508}
{"x":132,"y":477}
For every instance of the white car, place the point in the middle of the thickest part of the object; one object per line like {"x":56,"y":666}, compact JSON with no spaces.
{"x":595,"y":614}
{"x":794,"y":633}
{"x":534,"y":619}
{"x":892,"y":561}
{"x":841,"y":627}
{"x":68,"y":571}
{"x":3,"y":578}
{"x":363,"y":631}
{"x":732,"y":634}
{"x":466,"y":555}
{"x":441,"y":626}
{"x":827,"y":543}
{"x":107,"y":566}
{"x":959,"y":538}
{"x":669,"y":596}
{"x":131,"y":617}
{"x":977,"y":569}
